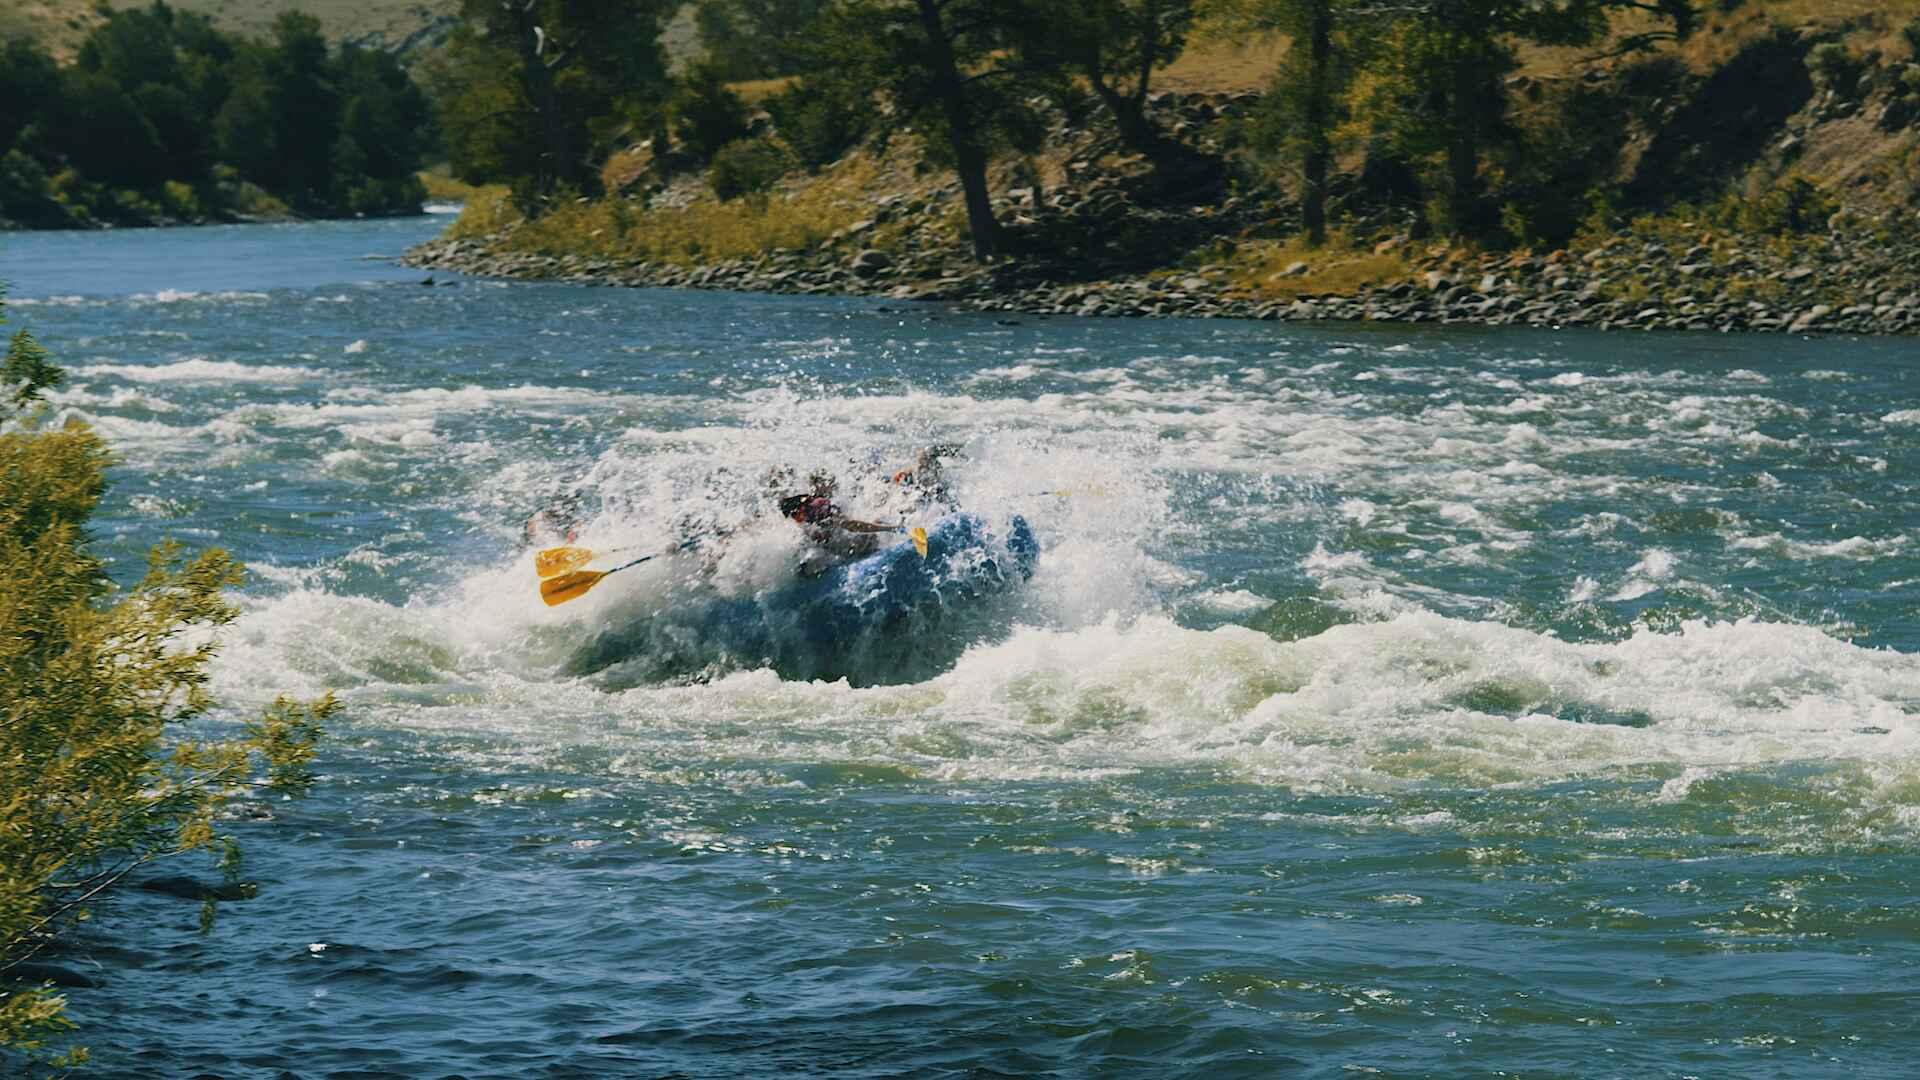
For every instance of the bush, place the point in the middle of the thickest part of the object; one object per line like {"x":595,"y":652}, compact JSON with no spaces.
{"x":819,"y":121}
{"x":1798,"y":206}
{"x":180,"y":201}
{"x":95,"y":778}
{"x":1835,"y":66}
{"x":26,"y":192}
{"x":374,"y":197}
{"x":706,"y":115}
{"x":748,"y":167}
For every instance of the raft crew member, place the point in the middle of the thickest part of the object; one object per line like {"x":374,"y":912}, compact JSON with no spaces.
{"x":832,"y":534}
{"x":556,"y":522}
{"x":925,"y":478}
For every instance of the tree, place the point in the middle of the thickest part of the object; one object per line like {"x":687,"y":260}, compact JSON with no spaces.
{"x":1446,"y":94}
{"x":535,"y":92}
{"x":244,"y":134}
{"x":1306,"y":100}
{"x":1114,"y":46}
{"x":303,"y":104}
{"x":99,"y":129}
{"x":756,"y":39}
{"x":385,"y":124}
{"x":96,"y":777}
{"x":29,"y":79}
{"x":705,"y":114}
{"x":133,"y":48}
{"x":946,"y":69}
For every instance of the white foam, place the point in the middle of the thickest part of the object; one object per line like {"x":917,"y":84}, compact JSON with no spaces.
{"x":201,"y":369}
{"x":176,"y":296}
{"x":1858,"y":548}
{"x":1364,"y":707}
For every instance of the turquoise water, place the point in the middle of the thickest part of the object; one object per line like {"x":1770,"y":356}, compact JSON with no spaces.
{"x":1387,"y":701}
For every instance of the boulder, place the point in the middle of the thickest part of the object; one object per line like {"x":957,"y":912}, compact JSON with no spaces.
{"x":870,"y":262}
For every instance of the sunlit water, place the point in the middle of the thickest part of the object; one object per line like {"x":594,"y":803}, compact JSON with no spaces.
{"x":1386,"y":701}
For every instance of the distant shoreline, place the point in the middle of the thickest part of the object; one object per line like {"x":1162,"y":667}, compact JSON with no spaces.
{"x":244,"y":219}
{"x":1843,"y":289}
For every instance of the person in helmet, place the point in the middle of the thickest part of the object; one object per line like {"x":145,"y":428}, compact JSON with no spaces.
{"x":925,"y":480}
{"x":833,"y":535}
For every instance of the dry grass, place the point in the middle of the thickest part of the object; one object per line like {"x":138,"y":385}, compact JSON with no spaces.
{"x":1868,"y":24}
{"x":442,"y":187}
{"x":755,"y":91}
{"x":60,"y":25}
{"x":702,"y":231}
{"x":1259,"y":269}
{"x":1212,"y":65}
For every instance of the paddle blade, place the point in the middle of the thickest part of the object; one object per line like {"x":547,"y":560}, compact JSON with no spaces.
{"x":559,"y":590}
{"x":919,"y":537}
{"x":560,"y":560}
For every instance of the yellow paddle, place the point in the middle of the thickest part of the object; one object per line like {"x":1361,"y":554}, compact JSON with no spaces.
{"x":559,"y":590}
{"x":555,"y":561}
{"x":565,"y":586}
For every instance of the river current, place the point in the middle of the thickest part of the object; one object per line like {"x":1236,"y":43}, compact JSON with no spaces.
{"x":1418,"y":702}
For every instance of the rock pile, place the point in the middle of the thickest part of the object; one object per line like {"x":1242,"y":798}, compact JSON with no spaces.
{"x":1841,"y":286}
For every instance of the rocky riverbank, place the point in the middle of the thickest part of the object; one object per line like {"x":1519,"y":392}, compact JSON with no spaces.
{"x":1845,"y":282}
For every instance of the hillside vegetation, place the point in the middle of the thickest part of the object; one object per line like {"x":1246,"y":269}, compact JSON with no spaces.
{"x":160,"y":118}
{"x":1760,"y":171}
{"x":1760,"y":95}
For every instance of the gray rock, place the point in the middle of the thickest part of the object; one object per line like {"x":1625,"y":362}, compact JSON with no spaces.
{"x":1812,"y":316}
{"x":870,"y":262}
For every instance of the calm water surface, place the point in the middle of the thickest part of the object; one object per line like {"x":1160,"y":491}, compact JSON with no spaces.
{"x":1387,"y":701}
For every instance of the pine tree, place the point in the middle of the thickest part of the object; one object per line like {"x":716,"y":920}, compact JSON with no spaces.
{"x":944,"y":68}
{"x":535,"y":92}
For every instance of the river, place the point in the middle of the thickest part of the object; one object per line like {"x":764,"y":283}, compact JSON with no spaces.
{"x":1385,"y":701}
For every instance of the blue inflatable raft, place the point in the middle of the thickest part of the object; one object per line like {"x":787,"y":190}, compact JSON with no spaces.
{"x":893,"y":616}
{"x":961,"y":564}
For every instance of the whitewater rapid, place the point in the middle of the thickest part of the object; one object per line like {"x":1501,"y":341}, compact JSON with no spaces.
{"x":1336,"y":566}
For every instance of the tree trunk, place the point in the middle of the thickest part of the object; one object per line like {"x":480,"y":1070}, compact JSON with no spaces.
{"x":1179,"y":169}
{"x":537,"y":78}
{"x":1137,"y":133}
{"x":1463,"y":145}
{"x":969,"y":154}
{"x":1319,"y":120}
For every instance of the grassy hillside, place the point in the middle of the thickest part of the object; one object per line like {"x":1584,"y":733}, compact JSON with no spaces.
{"x":62,"y":24}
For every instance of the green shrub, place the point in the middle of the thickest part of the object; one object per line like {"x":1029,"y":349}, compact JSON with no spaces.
{"x":1835,"y":66}
{"x":819,"y":121}
{"x":706,"y":115}
{"x":748,"y":167}
{"x":180,"y":201}
{"x":26,"y":192}
{"x":1798,"y":206}
{"x":96,"y":777}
